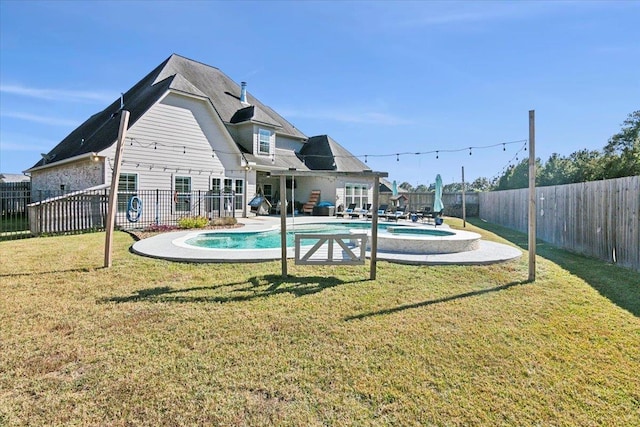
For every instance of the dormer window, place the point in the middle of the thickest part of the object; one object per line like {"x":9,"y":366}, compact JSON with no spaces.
{"x":264,"y":141}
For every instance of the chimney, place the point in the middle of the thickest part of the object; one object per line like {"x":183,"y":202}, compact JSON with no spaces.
{"x":243,"y":92}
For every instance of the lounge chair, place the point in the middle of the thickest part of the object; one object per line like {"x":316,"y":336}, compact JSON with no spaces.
{"x":400,"y":213}
{"x":382,"y":210}
{"x":364,"y":211}
{"x":313,"y":200}
{"x":349,"y":211}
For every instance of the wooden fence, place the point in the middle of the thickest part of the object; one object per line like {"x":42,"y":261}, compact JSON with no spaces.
{"x":69,"y":213}
{"x":599,"y":218}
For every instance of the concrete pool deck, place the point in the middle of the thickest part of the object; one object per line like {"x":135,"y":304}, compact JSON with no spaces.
{"x":170,"y":246}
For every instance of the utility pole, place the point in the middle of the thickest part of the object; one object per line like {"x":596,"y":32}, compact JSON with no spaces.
{"x":113,"y":192}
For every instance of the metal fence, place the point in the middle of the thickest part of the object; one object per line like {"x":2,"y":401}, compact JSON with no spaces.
{"x":163,"y":207}
{"x":86,"y":211}
{"x":14,"y":198}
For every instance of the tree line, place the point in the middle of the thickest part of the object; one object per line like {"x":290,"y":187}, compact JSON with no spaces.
{"x":620,"y":157}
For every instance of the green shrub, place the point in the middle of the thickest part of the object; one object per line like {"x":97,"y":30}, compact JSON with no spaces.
{"x":193,"y":222}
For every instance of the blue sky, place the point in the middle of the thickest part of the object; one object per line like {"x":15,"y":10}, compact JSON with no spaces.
{"x":378,"y":77}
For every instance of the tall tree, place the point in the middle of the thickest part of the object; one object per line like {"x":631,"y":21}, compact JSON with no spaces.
{"x":556,"y":171}
{"x":406,"y":187}
{"x":480,"y":184}
{"x":622,"y":152}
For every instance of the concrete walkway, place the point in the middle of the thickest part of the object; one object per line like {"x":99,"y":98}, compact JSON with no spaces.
{"x":172,"y":246}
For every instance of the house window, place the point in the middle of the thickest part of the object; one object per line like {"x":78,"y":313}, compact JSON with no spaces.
{"x":182,"y":193}
{"x":239,"y":189}
{"x":228,"y":195}
{"x":216,"y":185}
{"x":264,"y":141}
{"x":127,"y":188}
{"x":356,"y":193}
{"x":228,"y":185}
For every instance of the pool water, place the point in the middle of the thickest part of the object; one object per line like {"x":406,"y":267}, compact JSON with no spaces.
{"x":271,"y":239}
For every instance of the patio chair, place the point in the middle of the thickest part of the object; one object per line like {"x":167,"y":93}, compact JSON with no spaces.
{"x":424,"y":214}
{"x":349,"y":211}
{"x":313,"y":200}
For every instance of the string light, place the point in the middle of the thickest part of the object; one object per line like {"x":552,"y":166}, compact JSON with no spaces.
{"x":140,"y":141}
{"x":509,"y":164}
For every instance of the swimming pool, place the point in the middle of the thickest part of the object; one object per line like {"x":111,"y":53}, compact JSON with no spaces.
{"x":391,"y":238}
{"x":270,"y":239}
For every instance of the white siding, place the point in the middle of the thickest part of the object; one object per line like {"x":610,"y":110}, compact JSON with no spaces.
{"x":326,"y":185}
{"x":179,"y":136}
{"x":287,"y":143}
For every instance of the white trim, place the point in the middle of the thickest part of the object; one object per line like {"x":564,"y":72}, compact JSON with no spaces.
{"x":65,"y":161}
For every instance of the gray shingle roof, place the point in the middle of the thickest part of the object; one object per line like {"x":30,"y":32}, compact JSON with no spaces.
{"x":323,"y":153}
{"x":178,"y":73}
{"x":101,"y":130}
{"x":223,"y":92}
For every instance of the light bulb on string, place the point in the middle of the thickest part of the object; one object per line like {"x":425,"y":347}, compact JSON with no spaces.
{"x":437,"y":154}
{"x":504,"y":148}
{"x":397,"y":157}
{"x":365,"y":158}
{"x":469,"y":150}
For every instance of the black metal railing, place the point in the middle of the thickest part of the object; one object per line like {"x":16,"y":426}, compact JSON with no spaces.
{"x":86,"y":211}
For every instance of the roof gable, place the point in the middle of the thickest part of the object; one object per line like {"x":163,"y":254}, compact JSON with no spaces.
{"x":100,"y":131}
{"x":223,"y":92}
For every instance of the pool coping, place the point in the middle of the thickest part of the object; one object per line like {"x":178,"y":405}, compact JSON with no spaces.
{"x":169,"y":246}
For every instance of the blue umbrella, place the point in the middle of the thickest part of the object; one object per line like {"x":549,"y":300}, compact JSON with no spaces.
{"x":437,"y":201}
{"x":394,"y":189}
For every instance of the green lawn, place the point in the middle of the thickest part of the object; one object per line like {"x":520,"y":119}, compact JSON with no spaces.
{"x":149,"y":342}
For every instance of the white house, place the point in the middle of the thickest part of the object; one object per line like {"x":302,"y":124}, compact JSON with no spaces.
{"x":192,"y":129}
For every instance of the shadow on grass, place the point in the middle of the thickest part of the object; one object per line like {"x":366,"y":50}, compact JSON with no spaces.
{"x":620,"y":285}
{"x":436,"y":301}
{"x":253,"y":288}
{"x":55,"y":271}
